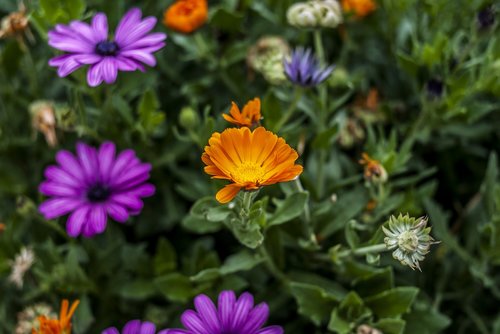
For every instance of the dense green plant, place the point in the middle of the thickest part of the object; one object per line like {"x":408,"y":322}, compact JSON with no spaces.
{"x":312,"y":248}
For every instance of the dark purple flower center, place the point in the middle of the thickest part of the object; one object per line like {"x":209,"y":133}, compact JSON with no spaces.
{"x":435,"y":87}
{"x":486,"y":17}
{"x":98,"y":193}
{"x":106,"y":48}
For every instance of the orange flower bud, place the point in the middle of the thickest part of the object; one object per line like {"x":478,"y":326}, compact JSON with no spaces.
{"x":186,"y":15}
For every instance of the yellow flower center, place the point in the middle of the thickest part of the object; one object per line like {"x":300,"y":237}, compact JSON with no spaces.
{"x":248,"y":172}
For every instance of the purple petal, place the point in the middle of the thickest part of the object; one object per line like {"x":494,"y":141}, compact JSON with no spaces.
{"x":240,"y":313}
{"x":227,"y":299}
{"x":76,"y":221}
{"x":174,"y":331}
{"x":131,"y":202}
{"x":106,"y":157}
{"x":70,"y":164}
{"x":68,"y":67}
{"x":69,"y":44}
{"x":59,"y":60}
{"x":147,"y":328}
{"x":131,"y":174}
{"x":124,"y":160}
{"x":109,"y":70}
{"x":140,"y":55}
{"x":50,"y":188}
{"x":208,"y":313}
{"x":135,"y":32}
{"x":151,"y":40}
{"x":100,"y":27}
{"x":88,"y":230}
{"x":271,"y":330}
{"x":257,"y":317}
{"x":111,"y":330}
{"x":87,"y":156}
{"x":127,"y":23}
{"x":132,"y":327}
{"x":117,"y":212}
{"x":84,"y":31}
{"x":98,"y":218}
{"x":94,"y":75}
{"x":192,"y":321}
{"x":58,"y":175}
{"x":56,"y":207}
{"x":88,"y":59}
{"x":144,"y":190}
{"x":128,"y":65}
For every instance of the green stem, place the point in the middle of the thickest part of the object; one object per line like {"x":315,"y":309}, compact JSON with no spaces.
{"x":271,"y":266}
{"x":373,"y":249}
{"x":291,"y":109}
{"x":307,"y":225}
{"x":318,"y":45}
{"x":247,"y":203}
{"x":320,"y":173}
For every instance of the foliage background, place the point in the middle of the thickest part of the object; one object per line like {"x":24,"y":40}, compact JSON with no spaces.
{"x":440,"y":154}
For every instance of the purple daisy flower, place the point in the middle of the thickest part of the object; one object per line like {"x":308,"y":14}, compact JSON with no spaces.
{"x":94,"y":184}
{"x":85,"y":44}
{"x":232,"y":316}
{"x":303,"y":69}
{"x":134,"y":327}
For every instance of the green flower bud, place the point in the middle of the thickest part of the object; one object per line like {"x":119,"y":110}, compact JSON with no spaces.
{"x":410,"y":239}
{"x":188,"y":118}
{"x":266,"y":57}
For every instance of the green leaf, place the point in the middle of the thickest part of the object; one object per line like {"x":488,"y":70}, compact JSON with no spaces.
{"x":350,"y":311}
{"x":489,"y":184}
{"x":290,"y":208}
{"x":392,"y":326}
{"x":337,"y":324}
{"x":324,"y":139}
{"x":165,"y":259}
{"x":242,"y":261}
{"x":314,"y":302}
{"x":137,"y":290}
{"x":374,"y":283}
{"x":248,"y":234}
{"x":149,"y":116}
{"x":393,"y":302}
{"x":83,"y":317}
{"x":175,"y":287}
{"x":424,"y":319}
{"x":223,"y":19}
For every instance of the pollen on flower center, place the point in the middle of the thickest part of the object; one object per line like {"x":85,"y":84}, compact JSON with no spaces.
{"x":249,"y":172}
{"x":408,"y":241}
{"x":98,"y":193}
{"x":106,"y":48}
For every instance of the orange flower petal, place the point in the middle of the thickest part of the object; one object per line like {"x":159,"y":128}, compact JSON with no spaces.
{"x":227,"y":193}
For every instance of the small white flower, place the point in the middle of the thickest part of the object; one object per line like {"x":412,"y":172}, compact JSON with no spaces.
{"x":410,"y":238}
{"x":28,"y":318}
{"x":315,"y":13}
{"x":21,"y":264}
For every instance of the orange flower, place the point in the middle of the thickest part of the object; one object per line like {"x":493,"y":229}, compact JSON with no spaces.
{"x":55,"y":326}
{"x":186,"y":15}
{"x":360,"y":8}
{"x":248,"y":117}
{"x":374,"y":171}
{"x":249,"y":159}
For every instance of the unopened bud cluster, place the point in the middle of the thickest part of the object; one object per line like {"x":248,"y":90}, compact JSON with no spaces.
{"x":315,"y":14}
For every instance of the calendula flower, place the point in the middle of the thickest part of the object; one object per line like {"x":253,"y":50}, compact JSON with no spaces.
{"x":134,"y":327}
{"x":43,"y":119}
{"x":249,"y":159}
{"x":57,"y":326}
{"x":130,"y":47}
{"x":249,"y":116}
{"x":21,"y":264}
{"x":234,"y":316}
{"x":94,"y":184}
{"x":410,"y":238}
{"x":360,"y":8}
{"x":28,"y":318}
{"x":314,"y":14}
{"x":303,"y":69}
{"x":266,"y":57}
{"x":374,"y":170}
{"x":186,"y":16}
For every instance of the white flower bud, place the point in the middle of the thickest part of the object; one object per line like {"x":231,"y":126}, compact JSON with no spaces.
{"x":302,"y":15}
{"x":315,"y":13}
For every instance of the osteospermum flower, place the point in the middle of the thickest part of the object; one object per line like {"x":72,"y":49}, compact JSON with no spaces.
{"x":303,"y":69}
{"x":410,"y":239}
{"x":131,"y":46}
{"x":94,"y":184}
{"x":57,"y":326}
{"x":186,"y":16}
{"x":134,"y":327}
{"x":232,"y":316}
{"x":249,"y":159}
{"x":249,"y":116}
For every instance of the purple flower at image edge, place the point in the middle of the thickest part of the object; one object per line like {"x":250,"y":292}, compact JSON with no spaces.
{"x":303,"y":68}
{"x":134,"y":327}
{"x":94,"y":184}
{"x":84,"y":44}
{"x":235,"y":316}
